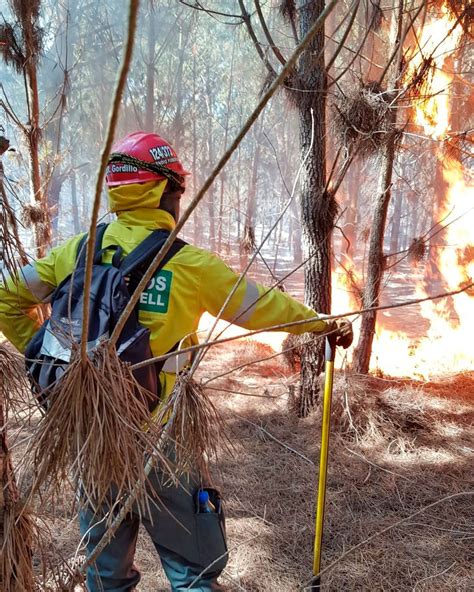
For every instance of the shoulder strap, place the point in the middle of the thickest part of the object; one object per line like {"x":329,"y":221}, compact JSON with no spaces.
{"x":82,"y":246}
{"x":147,"y":250}
{"x":136,"y":263}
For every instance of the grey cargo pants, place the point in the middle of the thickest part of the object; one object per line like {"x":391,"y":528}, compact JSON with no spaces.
{"x":186,"y":541}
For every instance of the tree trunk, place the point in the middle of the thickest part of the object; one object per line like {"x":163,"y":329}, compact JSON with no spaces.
{"x":75,"y":205}
{"x":248,"y":240}
{"x":376,"y":257}
{"x":210,"y":197}
{"x":318,"y":207}
{"x":33,"y":136}
{"x":353,"y":186}
{"x":396,"y":221}
{"x":226,"y":136}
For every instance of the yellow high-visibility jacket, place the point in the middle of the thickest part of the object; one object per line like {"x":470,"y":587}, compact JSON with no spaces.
{"x":192,"y":282}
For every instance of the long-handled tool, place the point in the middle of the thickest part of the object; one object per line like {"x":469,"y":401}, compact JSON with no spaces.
{"x":323,"y":461}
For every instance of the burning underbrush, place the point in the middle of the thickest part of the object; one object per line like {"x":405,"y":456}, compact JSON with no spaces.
{"x":399,"y":502}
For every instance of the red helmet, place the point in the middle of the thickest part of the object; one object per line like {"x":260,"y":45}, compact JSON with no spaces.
{"x":148,"y":148}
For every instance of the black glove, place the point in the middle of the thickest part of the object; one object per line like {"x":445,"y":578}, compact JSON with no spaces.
{"x":342,"y":332}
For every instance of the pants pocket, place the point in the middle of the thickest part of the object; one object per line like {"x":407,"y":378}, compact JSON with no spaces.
{"x":212,"y":546}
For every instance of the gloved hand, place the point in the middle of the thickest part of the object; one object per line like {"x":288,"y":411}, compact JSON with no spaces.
{"x":342,"y":332}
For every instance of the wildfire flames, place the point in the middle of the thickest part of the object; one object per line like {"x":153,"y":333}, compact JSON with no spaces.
{"x":446,"y":344}
{"x":446,"y":324}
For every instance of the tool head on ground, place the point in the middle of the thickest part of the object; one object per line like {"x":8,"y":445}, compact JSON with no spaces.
{"x":142,"y":157}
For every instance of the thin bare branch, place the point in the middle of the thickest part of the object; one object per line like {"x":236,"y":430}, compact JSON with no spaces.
{"x":283,"y":326}
{"x":113,"y":118}
{"x":268,"y":35}
{"x":253,"y":36}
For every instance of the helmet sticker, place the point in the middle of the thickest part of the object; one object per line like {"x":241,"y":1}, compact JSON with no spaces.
{"x":163,"y":154}
{"x":120,"y":168}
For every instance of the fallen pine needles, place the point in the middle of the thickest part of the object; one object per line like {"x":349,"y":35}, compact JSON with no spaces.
{"x":195,"y":427}
{"x":94,"y":428}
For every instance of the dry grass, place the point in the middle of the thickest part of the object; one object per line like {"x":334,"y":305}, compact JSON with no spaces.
{"x":396,"y":447}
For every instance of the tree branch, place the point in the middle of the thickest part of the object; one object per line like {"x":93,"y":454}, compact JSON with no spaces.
{"x":251,"y":32}
{"x":284,"y":326}
{"x":275,"y":49}
{"x":127,"y":58}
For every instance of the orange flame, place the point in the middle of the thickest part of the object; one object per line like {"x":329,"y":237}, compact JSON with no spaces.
{"x":438,"y":40}
{"x":445,"y":346}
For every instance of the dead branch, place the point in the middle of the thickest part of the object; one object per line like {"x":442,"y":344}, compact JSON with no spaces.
{"x":256,"y":42}
{"x":344,"y":37}
{"x":268,"y":35}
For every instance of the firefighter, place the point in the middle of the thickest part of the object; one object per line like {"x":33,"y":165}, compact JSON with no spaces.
{"x":192,"y":282}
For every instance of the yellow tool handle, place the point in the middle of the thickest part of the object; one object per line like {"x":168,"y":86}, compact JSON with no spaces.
{"x":323,"y":458}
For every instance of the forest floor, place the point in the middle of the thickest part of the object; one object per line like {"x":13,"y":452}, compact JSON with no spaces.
{"x":397,"y":446}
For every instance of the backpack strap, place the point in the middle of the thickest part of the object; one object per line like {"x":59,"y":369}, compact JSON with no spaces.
{"x":147,"y":250}
{"x":82,"y":246}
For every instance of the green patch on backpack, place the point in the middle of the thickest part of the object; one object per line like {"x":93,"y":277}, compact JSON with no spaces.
{"x":156,"y":297}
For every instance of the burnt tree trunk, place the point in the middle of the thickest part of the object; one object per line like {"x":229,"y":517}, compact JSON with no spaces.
{"x":318,"y":207}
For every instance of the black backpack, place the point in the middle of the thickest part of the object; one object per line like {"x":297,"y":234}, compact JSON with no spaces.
{"x":49,"y":351}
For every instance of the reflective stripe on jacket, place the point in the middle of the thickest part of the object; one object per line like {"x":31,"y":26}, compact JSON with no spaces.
{"x":192,"y":282}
